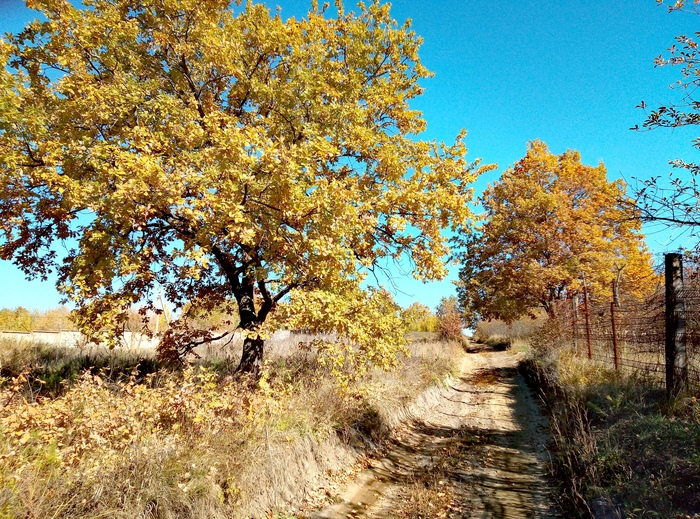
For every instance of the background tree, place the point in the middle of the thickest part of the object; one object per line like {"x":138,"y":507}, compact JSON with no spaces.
{"x":450,"y":322}
{"x":18,"y":320}
{"x":676,"y":202}
{"x":419,"y":318}
{"x":222,"y":155}
{"x":548,"y":223}
{"x":54,"y":319}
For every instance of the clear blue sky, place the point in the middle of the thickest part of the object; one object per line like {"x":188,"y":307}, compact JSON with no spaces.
{"x":569,"y":72}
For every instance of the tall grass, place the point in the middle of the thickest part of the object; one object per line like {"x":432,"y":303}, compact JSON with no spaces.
{"x":622,"y":449}
{"x":104,"y":433}
{"x":50,"y":369}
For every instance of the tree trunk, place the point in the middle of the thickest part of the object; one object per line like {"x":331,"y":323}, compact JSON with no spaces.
{"x":548,"y":306}
{"x":252,"y":358}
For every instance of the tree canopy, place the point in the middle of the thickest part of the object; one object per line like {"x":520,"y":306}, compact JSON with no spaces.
{"x":223,"y":154}
{"x":419,"y":318}
{"x":548,"y":224}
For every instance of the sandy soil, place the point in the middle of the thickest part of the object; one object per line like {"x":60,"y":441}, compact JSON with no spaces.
{"x":475,"y":450}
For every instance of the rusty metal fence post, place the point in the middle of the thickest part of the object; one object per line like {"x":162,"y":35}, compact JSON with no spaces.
{"x":616,"y":352}
{"x":574,"y":317}
{"x":588,"y":321}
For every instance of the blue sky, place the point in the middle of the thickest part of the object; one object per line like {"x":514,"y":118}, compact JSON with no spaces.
{"x":569,"y":72}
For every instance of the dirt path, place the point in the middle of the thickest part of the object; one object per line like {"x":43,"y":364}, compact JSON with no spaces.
{"x":478,"y":451}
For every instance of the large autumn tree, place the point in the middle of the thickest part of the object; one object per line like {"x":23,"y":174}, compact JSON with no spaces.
{"x":549,"y":224}
{"x":227,"y":155}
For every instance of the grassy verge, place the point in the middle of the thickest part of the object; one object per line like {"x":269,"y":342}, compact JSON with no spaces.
{"x":113,"y":434}
{"x":622,"y":449}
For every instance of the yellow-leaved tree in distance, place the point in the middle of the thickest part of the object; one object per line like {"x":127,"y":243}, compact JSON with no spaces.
{"x":550,"y":225}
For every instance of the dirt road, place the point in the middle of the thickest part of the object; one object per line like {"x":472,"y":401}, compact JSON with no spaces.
{"x":476,"y":451}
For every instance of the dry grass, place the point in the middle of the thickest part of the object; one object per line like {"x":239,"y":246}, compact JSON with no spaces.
{"x":514,"y":335}
{"x":49,"y":370}
{"x":622,"y":449}
{"x":116,"y":435}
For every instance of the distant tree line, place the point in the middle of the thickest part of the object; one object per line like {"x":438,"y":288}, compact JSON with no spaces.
{"x":21,"y":319}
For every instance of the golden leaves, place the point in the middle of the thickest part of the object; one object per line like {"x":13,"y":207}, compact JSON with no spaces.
{"x":92,"y":416}
{"x":356,"y":328}
{"x":549,"y":221}
{"x":159,"y":135}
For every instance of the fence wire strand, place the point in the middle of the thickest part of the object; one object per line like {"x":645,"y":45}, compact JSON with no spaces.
{"x":639,"y":331}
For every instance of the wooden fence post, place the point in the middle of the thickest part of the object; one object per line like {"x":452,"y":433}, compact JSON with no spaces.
{"x":614,"y":335}
{"x":676,"y":355}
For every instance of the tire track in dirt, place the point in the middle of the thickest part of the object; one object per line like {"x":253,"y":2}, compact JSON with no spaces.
{"x":478,"y":451}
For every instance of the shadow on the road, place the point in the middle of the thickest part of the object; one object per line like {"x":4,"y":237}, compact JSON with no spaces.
{"x":491,"y":479}
{"x":492,"y":468}
{"x":479,"y":347}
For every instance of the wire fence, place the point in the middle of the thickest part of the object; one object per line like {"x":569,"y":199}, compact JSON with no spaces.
{"x":632,"y":335}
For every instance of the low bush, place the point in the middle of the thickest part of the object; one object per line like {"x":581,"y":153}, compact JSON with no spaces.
{"x":114,"y":440}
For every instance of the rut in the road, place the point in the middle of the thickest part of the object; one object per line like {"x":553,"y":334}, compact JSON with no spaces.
{"x":478,"y":452}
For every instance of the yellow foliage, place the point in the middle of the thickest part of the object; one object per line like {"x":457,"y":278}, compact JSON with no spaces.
{"x":550,"y":223}
{"x":419,"y":318}
{"x":351,"y":336}
{"x":218,"y":152}
{"x":93,"y":417}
